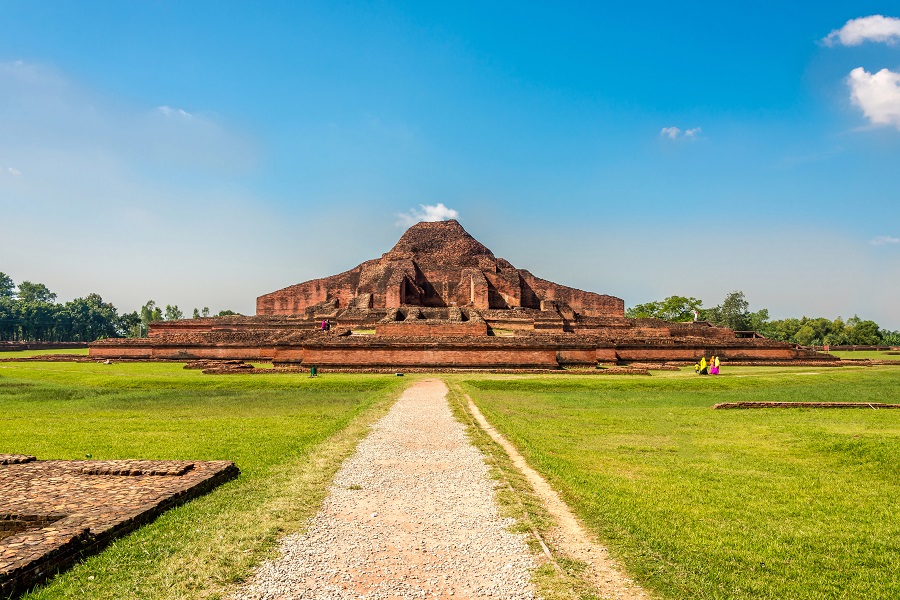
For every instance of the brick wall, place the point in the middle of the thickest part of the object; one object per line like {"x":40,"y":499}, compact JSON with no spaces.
{"x":427,"y":357}
{"x":432,"y":328}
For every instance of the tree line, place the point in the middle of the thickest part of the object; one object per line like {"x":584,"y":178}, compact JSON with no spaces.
{"x":29,"y":312}
{"x":734,"y":312}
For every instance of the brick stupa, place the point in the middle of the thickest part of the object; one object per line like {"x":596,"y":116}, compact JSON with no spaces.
{"x":439,"y":299}
{"x":436,"y":264}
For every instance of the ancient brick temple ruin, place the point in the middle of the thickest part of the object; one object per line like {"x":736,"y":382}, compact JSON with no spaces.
{"x":441,"y":299}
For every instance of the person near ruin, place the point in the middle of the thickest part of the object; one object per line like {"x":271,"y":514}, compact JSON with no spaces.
{"x":696,"y":315}
{"x":712,"y":365}
{"x":716,"y":361}
{"x":327,"y":325}
{"x":704,"y":368}
{"x":324,"y":325}
{"x":697,"y":368}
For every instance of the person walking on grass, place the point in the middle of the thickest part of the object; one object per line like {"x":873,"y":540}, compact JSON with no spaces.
{"x":704,"y":368}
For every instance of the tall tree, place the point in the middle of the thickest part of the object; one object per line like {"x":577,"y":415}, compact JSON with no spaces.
{"x":130,"y":324}
{"x":10,"y":319}
{"x":863,"y":333}
{"x":7,"y":287}
{"x":36,"y":292}
{"x":734,"y":312}
{"x":173,"y":312}
{"x":150,"y":313}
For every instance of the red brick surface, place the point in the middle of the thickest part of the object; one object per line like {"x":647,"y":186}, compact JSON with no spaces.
{"x":55,"y":511}
{"x":436,"y":264}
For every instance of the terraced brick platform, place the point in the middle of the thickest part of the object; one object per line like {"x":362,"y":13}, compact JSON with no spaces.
{"x":53,"y":512}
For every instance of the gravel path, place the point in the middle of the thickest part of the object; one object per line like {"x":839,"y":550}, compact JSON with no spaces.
{"x":410,"y":515}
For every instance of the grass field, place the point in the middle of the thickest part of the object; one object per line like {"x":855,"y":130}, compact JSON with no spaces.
{"x":698,"y":503}
{"x":25,"y":353}
{"x":862,"y":354}
{"x":286,"y":433}
{"x":695,"y":503}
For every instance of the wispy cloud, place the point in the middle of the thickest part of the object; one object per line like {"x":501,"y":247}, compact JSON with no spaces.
{"x":884,"y":240}
{"x":174,"y":112}
{"x":13,"y":171}
{"x":875,"y":28}
{"x":675,"y":133}
{"x":426,"y":212}
{"x":877,"y":95}
{"x":45,"y":111}
{"x":669,"y":132}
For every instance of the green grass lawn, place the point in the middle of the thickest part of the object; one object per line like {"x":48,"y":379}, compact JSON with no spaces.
{"x":697,"y":503}
{"x":26,"y":353}
{"x":861,"y":354}
{"x":286,"y":433}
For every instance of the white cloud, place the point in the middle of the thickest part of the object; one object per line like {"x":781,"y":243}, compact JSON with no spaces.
{"x":427,"y":212}
{"x":670,"y":132}
{"x":875,"y":28}
{"x":14,"y":171}
{"x":883,"y":240}
{"x":877,"y":95}
{"x":675,"y":133}
{"x":173,"y":112}
{"x":692,"y":133}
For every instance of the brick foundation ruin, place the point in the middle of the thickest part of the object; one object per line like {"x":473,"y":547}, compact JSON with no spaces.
{"x":441,"y":299}
{"x":53,"y":512}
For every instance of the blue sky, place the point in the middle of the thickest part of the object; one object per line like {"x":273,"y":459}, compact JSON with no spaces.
{"x":202,"y":154}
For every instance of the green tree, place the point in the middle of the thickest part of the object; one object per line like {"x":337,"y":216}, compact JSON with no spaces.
{"x":758,"y":321}
{"x":862,"y":333}
{"x":129,"y":325}
{"x":783,"y":330}
{"x":173,"y":313}
{"x":89,"y":319}
{"x":36,"y":292}
{"x":225,"y":313}
{"x":10,"y":320}
{"x":150,"y":313}
{"x":806,"y":335}
{"x":650,"y":310}
{"x":7,"y":287}
{"x":38,"y":320}
{"x":890,"y":338}
{"x":734,"y":312}
{"x":673,"y":308}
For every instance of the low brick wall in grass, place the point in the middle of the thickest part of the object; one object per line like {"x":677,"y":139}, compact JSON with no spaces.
{"x":53,"y":512}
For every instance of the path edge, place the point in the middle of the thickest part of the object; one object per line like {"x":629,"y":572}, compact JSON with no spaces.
{"x":317,"y":471}
{"x":575,"y":565}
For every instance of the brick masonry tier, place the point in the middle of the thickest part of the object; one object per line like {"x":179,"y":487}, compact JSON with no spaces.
{"x":52,"y":512}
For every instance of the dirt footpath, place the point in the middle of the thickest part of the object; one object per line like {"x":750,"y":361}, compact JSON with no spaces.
{"x":410,"y":515}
